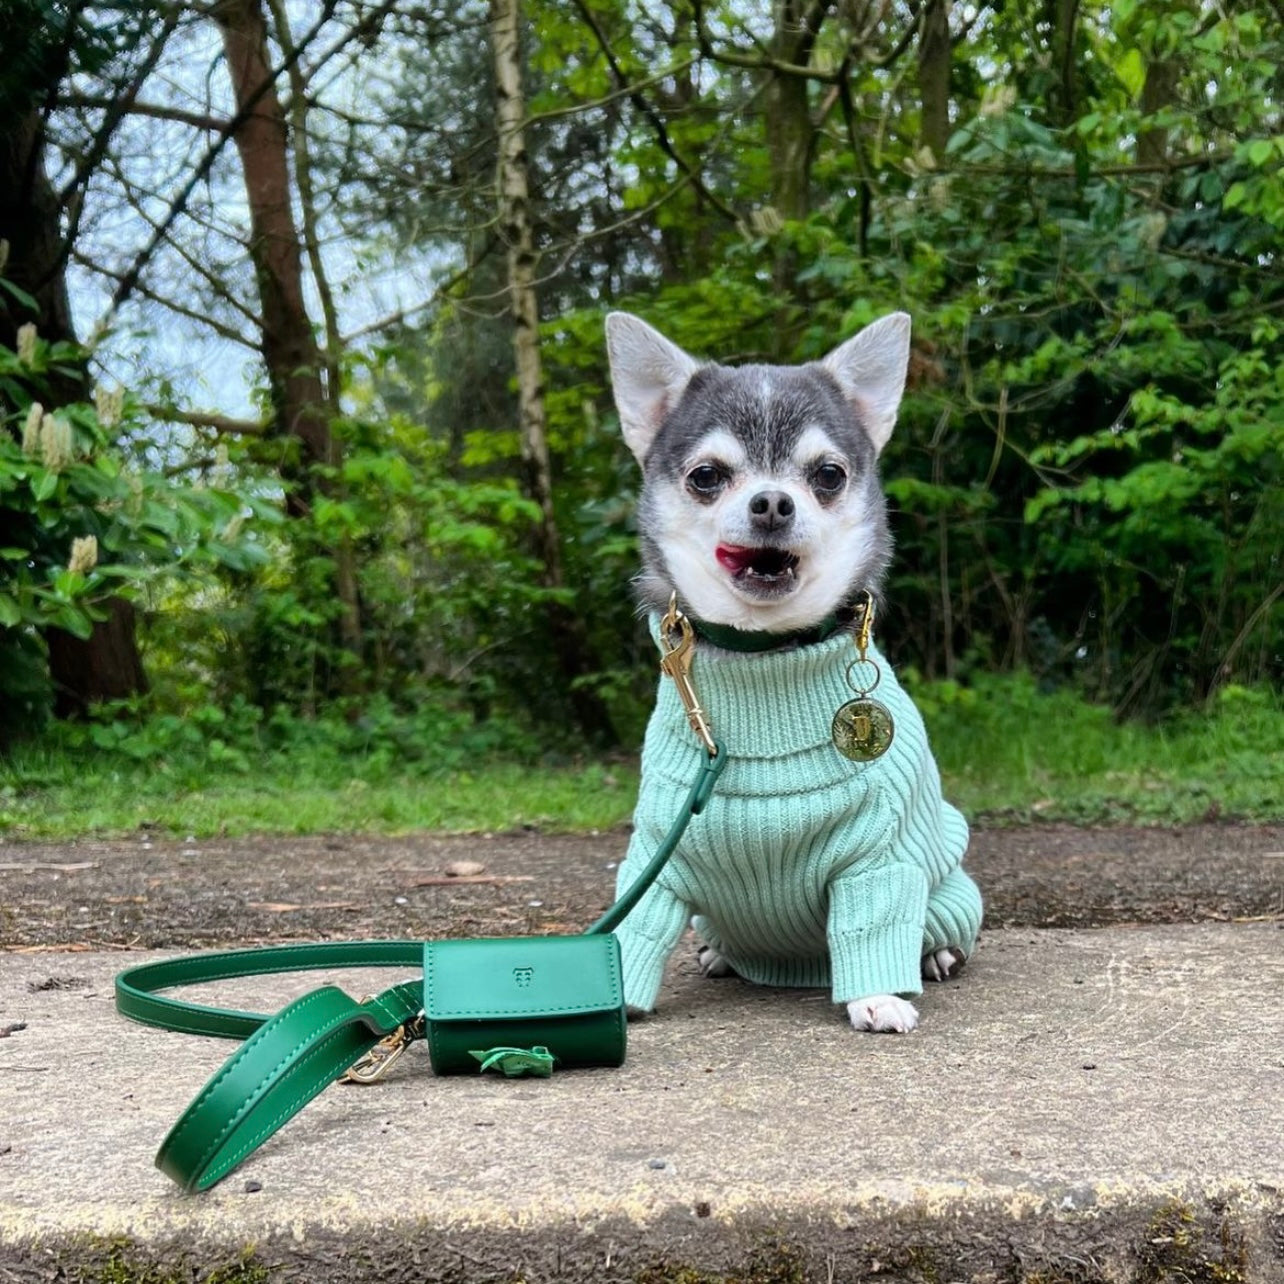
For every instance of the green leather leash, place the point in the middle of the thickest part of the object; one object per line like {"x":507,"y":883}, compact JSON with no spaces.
{"x":287,"y":1059}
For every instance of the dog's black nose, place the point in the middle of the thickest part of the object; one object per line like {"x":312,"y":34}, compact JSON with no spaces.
{"x":771,"y":510}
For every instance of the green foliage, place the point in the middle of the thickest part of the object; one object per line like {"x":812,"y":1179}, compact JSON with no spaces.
{"x":1086,"y":477}
{"x":445,"y":577}
{"x":1009,"y":750}
{"x":233,"y":771}
{"x":81,"y":523}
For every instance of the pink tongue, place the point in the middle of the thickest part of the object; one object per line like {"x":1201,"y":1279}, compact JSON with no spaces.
{"x":733,"y":557}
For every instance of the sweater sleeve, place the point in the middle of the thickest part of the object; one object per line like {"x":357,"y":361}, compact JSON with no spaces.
{"x":648,"y":935}
{"x":875,"y":931}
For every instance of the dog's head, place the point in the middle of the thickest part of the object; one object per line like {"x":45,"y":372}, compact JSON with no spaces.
{"x":761,"y":502}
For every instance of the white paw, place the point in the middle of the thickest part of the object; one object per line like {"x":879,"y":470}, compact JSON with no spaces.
{"x":941,"y":965}
{"x":711,"y":963}
{"x":882,"y":1013}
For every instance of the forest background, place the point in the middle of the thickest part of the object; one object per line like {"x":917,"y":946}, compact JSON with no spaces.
{"x":309,"y":468}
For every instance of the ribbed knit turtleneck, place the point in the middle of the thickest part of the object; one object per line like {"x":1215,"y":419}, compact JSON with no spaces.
{"x":805,"y":868}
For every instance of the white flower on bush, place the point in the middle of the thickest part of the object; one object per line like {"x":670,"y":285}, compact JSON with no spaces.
{"x":109,"y":402}
{"x":31,"y":430}
{"x":84,"y":554}
{"x":57,"y":449}
{"x":26,"y":343}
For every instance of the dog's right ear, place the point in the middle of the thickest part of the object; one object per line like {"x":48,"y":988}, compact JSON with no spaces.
{"x":648,"y":373}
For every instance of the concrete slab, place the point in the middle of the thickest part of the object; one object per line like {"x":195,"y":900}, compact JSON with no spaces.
{"x":1110,"y":1098}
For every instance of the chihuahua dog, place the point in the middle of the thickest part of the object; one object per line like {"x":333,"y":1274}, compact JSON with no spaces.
{"x":761,"y":513}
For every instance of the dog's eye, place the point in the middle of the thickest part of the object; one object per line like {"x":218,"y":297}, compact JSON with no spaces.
{"x":828,"y":479}
{"x":706,"y":479}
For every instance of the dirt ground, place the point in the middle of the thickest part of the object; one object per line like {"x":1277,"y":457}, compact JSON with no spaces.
{"x":148,"y":892}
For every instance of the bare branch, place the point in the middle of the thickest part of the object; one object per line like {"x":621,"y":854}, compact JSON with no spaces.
{"x":156,"y":111}
{"x":202,"y":270}
{"x":905,"y":40}
{"x":862,"y":164}
{"x":129,"y":280}
{"x":97,"y":148}
{"x":201,"y":318}
{"x":641,"y":104}
{"x":222,"y":424}
{"x":404,"y":314}
{"x":761,"y":62}
{"x":625,"y":91}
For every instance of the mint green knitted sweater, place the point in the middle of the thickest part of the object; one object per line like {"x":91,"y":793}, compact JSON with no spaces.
{"x":805,"y":868}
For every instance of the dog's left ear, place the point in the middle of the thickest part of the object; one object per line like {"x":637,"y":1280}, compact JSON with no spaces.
{"x":649,"y":375}
{"x":870,"y":369}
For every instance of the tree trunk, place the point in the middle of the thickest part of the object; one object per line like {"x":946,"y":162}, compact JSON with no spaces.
{"x":106,"y":665}
{"x":1064,"y":17}
{"x":934,"y":77}
{"x":513,"y":183}
{"x":516,"y":231}
{"x":789,"y":128}
{"x":789,"y":142}
{"x":1158,"y":91}
{"x":791,"y":138}
{"x":294,"y":361}
{"x":29,"y":222}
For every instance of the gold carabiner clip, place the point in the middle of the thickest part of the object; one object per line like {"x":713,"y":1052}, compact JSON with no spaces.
{"x":373,"y":1065}
{"x":676,"y":661}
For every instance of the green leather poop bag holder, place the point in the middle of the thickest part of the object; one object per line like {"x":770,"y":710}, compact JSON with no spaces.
{"x":514,"y":1006}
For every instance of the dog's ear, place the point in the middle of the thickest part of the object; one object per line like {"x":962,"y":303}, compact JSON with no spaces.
{"x":870,"y":369}
{"x":648,"y":374}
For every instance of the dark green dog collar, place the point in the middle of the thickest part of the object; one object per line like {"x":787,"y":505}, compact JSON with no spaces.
{"x":730,"y":639}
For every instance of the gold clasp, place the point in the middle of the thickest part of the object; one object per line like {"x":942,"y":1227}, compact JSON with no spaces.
{"x":373,"y":1065}
{"x":866,"y":629}
{"x":676,"y":662}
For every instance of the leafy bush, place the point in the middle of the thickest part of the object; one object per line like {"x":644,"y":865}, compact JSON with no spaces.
{"x":82,"y":522}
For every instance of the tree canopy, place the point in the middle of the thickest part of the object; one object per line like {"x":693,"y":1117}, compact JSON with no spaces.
{"x":300,"y":324}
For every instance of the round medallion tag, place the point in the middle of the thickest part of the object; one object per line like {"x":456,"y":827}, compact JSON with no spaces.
{"x":863,"y":729}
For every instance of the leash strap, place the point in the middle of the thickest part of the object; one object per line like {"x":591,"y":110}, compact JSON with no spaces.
{"x":137,"y":1000}
{"x":286,"y":1062}
{"x":287,"y":1059}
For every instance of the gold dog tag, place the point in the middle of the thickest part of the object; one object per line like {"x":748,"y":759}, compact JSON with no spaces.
{"x":863,"y":729}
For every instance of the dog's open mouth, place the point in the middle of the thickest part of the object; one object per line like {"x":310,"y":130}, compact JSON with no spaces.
{"x":765,"y":572}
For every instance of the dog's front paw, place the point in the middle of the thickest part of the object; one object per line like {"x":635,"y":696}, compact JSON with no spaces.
{"x":882,"y":1013}
{"x":711,"y":963}
{"x":941,"y":965}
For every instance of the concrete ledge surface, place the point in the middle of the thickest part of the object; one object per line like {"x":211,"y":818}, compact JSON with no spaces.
{"x":1109,"y":1096}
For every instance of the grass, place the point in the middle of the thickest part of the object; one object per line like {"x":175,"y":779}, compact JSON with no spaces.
{"x":1008,"y":753}
{"x":81,"y":798}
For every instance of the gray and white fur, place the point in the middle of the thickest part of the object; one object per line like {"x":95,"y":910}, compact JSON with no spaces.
{"x":761,"y":503}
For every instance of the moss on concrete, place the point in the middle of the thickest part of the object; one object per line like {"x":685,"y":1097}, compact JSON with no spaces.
{"x":1182,"y":1249}
{"x":120,"y":1261}
{"x":774,"y":1262}
{"x":1213,"y":1240}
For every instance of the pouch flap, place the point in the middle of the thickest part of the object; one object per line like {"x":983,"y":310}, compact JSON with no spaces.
{"x":523,"y":976}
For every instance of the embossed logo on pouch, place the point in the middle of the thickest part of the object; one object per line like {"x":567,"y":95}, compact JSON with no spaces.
{"x":523,"y":976}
